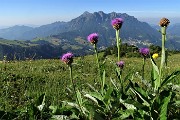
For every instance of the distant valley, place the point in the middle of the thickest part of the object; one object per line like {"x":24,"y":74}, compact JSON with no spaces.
{"x":61,"y":37}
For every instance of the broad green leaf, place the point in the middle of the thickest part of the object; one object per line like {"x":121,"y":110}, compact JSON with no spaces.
{"x":164,"y":105}
{"x":127,"y":76}
{"x":59,"y":117}
{"x":118,"y":73}
{"x":103,"y":80}
{"x":127,"y":105}
{"x":141,"y":90}
{"x":170,"y":77}
{"x":53,"y":108}
{"x":79,"y":98}
{"x":107,"y":96}
{"x":41,"y":100}
{"x":125,"y":114}
{"x":141,"y":93}
{"x":93,"y":88}
{"x":72,"y":104}
{"x":114,"y":84}
{"x":143,"y":98}
{"x":96,"y":95}
{"x":98,"y":116}
{"x":155,"y":75}
{"x":91,"y":98}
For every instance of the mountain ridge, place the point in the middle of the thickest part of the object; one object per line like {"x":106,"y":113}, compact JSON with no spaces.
{"x":72,"y":36}
{"x":97,"y":18}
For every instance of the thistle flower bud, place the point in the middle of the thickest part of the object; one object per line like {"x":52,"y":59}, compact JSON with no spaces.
{"x":117,"y":23}
{"x":67,"y":58}
{"x":164,"y":22}
{"x":93,"y":38}
{"x":120,"y":64}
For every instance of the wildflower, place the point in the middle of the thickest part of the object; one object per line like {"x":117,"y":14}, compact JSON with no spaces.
{"x":93,"y":38}
{"x":144,"y":52}
{"x":67,"y":58}
{"x":155,"y":55}
{"x":117,"y":23}
{"x":120,"y":64}
{"x":164,"y":22}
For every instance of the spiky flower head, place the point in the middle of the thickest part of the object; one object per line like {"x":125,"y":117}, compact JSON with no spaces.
{"x":93,"y":38}
{"x":120,"y":64}
{"x":155,"y":55}
{"x":67,"y":58}
{"x":164,"y":22}
{"x":144,"y":52}
{"x":117,"y":23}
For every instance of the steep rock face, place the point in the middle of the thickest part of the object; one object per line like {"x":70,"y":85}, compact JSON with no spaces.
{"x":101,"y":23}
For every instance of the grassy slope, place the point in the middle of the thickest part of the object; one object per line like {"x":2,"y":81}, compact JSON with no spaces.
{"x":21,"y":81}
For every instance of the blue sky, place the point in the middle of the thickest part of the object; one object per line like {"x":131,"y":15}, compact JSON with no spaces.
{"x":39,"y":12}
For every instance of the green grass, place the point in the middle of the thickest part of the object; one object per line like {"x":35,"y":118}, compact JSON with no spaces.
{"x":15,"y":42}
{"x":24,"y":81}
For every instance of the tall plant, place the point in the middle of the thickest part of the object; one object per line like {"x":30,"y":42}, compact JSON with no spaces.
{"x":144,"y":53}
{"x":117,"y":23}
{"x":153,"y":100}
{"x":68,"y":60}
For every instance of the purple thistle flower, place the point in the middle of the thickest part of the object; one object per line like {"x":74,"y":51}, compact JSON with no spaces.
{"x":120,"y":64}
{"x":67,"y":58}
{"x":144,"y":52}
{"x":93,"y":38}
{"x":117,"y":23}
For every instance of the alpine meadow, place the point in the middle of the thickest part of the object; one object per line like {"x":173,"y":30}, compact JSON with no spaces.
{"x":97,"y":66}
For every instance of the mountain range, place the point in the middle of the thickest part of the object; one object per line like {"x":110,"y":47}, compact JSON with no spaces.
{"x":85,"y":24}
{"x":72,"y":35}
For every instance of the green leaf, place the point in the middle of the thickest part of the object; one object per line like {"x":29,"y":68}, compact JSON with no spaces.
{"x":41,"y":99}
{"x":125,"y":114}
{"x":41,"y":102}
{"x":107,"y":96}
{"x":114,"y":84}
{"x":96,"y":95}
{"x":103,"y":80}
{"x":155,"y":75}
{"x":170,"y":77}
{"x":59,"y":117}
{"x":141,"y":96}
{"x":91,"y":87}
{"x":127,"y":77}
{"x":71,"y":104}
{"x":53,"y":108}
{"x":91,"y":98}
{"x":79,"y":98}
{"x":127,"y":105}
{"x":118,"y":73}
{"x":164,"y":104}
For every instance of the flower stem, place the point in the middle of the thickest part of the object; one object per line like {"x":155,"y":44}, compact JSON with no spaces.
{"x":118,"y":42}
{"x":163,"y":57}
{"x":71,"y":78}
{"x":75,"y":91}
{"x":99,"y":69}
{"x":143,"y":68}
{"x":97,"y":59}
{"x":121,"y":81}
